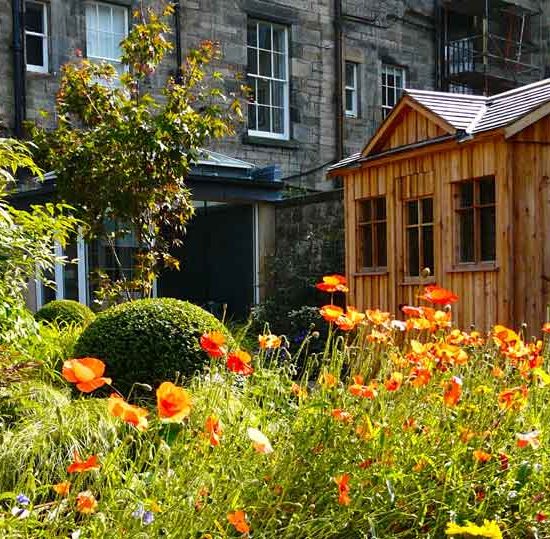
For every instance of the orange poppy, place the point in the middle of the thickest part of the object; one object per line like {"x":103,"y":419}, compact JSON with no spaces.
{"x":378,"y":317}
{"x":133,"y":415}
{"x":86,"y":373}
{"x":78,"y":465}
{"x":86,"y":502}
{"x":354,"y":315}
{"x":531,"y":439}
{"x":343,"y":489}
{"x":239,"y":363}
{"x":62,"y":488}
{"x":546,"y":327}
{"x":393,"y":383}
{"x":214,"y":429}
{"x":341,"y":415}
{"x":345,"y":324}
{"x":238,"y":520}
{"x":331,"y":313}
{"x":327,"y":380}
{"x":359,"y":390}
{"x":505,"y":337}
{"x":213,"y":344}
{"x":438,"y":296}
{"x":453,"y":391}
{"x":482,"y":456}
{"x":269,"y":342}
{"x":333,"y":283}
{"x":420,"y":376}
{"x":298,"y":391}
{"x":173,"y":402}
{"x":513,"y":399}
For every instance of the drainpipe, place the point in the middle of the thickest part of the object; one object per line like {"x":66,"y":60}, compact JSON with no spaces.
{"x":339,"y":88}
{"x":18,"y":66}
{"x":177,"y":23}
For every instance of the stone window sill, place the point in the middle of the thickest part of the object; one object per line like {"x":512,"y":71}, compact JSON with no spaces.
{"x":271,"y":142}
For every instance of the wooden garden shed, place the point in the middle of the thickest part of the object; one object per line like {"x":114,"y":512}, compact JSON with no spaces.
{"x":459,"y":184}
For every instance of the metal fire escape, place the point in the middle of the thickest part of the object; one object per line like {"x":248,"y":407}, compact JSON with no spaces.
{"x":489,"y":46}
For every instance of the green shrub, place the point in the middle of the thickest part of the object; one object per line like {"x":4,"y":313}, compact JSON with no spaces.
{"x":149,"y":340}
{"x":65,"y":311}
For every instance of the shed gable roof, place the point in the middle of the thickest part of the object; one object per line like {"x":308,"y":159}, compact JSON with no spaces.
{"x":465,"y":114}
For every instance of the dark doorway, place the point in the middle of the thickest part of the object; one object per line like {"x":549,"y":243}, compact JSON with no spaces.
{"x":216,"y":260}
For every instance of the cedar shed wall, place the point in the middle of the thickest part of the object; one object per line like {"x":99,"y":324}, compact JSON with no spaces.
{"x":530,"y":162}
{"x":485,"y":290}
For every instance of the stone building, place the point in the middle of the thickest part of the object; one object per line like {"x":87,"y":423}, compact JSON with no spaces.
{"x":324,"y":72}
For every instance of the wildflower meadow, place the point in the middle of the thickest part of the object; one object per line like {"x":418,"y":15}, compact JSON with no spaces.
{"x":398,"y":428}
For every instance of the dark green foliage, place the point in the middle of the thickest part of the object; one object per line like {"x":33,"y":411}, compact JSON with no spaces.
{"x":149,"y":341}
{"x":65,"y":311}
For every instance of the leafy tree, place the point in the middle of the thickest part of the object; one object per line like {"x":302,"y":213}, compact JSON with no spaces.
{"x":27,"y":241}
{"x":122,"y":155}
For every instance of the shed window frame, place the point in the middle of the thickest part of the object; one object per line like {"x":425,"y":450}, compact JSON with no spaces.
{"x":393,"y":90}
{"x":351,"y":88}
{"x":255,"y":52}
{"x":477,"y":208}
{"x":376,"y":225}
{"x":43,"y":36}
{"x":422,"y":224}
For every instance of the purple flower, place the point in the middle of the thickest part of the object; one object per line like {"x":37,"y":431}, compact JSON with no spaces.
{"x":147,"y":518}
{"x":22,"y":499}
{"x":138,"y":513}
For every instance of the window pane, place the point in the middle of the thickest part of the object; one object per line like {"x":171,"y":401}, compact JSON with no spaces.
{"x":252,"y":117}
{"x":350,"y":74}
{"x":488,"y":233}
{"x":263,"y":92}
{"x":252,"y":61}
{"x":34,"y":50}
{"x":251,"y":35}
{"x":412,"y":212}
{"x":34,"y":17}
{"x":367,"y":246}
{"x":119,"y":21}
{"x":104,"y":18}
{"x":427,"y":210}
{"x":278,"y":120}
{"x":70,"y":273}
{"x":412,"y":248}
{"x":349,"y":101}
{"x":428,"y":248}
{"x":265,"y":63}
{"x":279,"y":66}
{"x":381,"y":248}
{"x":264,"y":120}
{"x":467,"y":252}
{"x":391,"y":98}
{"x":278,"y":95}
{"x":264,"y":36}
{"x":391,"y":80}
{"x":279,"y":39}
{"x":91,"y":43}
{"x":380,"y":208}
{"x":364,"y":211}
{"x":466,"y":194}
{"x":487,"y":191}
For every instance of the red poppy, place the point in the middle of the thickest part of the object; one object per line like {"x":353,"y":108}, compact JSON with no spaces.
{"x":343,"y":489}
{"x":331,"y":313}
{"x":238,"y":520}
{"x":341,"y":415}
{"x":504,"y":461}
{"x":214,"y":429}
{"x":173,"y":402}
{"x":513,"y":399}
{"x":333,"y":283}
{"x":541,"y":517}
{"x":213,"y":344}
{"x":86,"y":373}
{"x":453,"y":391}
{"x":359,"y":390}
{"x":239,"y":362}
{"x":78,"y":465}
{"x":531,"y":439}
{"x":438,"y":296}
{"x":393,"y":383}
{"x":86,"y":502}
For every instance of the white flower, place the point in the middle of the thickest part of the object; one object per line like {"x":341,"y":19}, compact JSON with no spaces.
{"x":20,"y":512}
{"x":398,"y":324}
{"x":260,"y":441}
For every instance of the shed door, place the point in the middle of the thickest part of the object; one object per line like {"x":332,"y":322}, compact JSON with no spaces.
{"x":216,"y":261}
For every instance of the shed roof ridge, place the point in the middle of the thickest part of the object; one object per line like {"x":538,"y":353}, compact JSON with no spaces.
{"x":520,"y":89}
{"x":451,"y":95}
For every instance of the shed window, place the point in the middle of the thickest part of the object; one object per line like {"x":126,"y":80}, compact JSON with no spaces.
{"x":268,"y":108}
{"x":36,"y":36}
{"x":476,"y":212}
{"x":372,"y":234}
{"x":419,"y":235}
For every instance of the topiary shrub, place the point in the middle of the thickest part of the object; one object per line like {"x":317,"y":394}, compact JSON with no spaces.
{"x":65,"y":311}
{"x":149,"y":340}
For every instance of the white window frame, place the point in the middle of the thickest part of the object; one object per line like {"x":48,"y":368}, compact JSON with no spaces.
{"x":111,"y":7}
{"x":44,"y":36}
{"x":395,"y":71}
{"x":354,"y":111}
{"x":256,"y":76}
